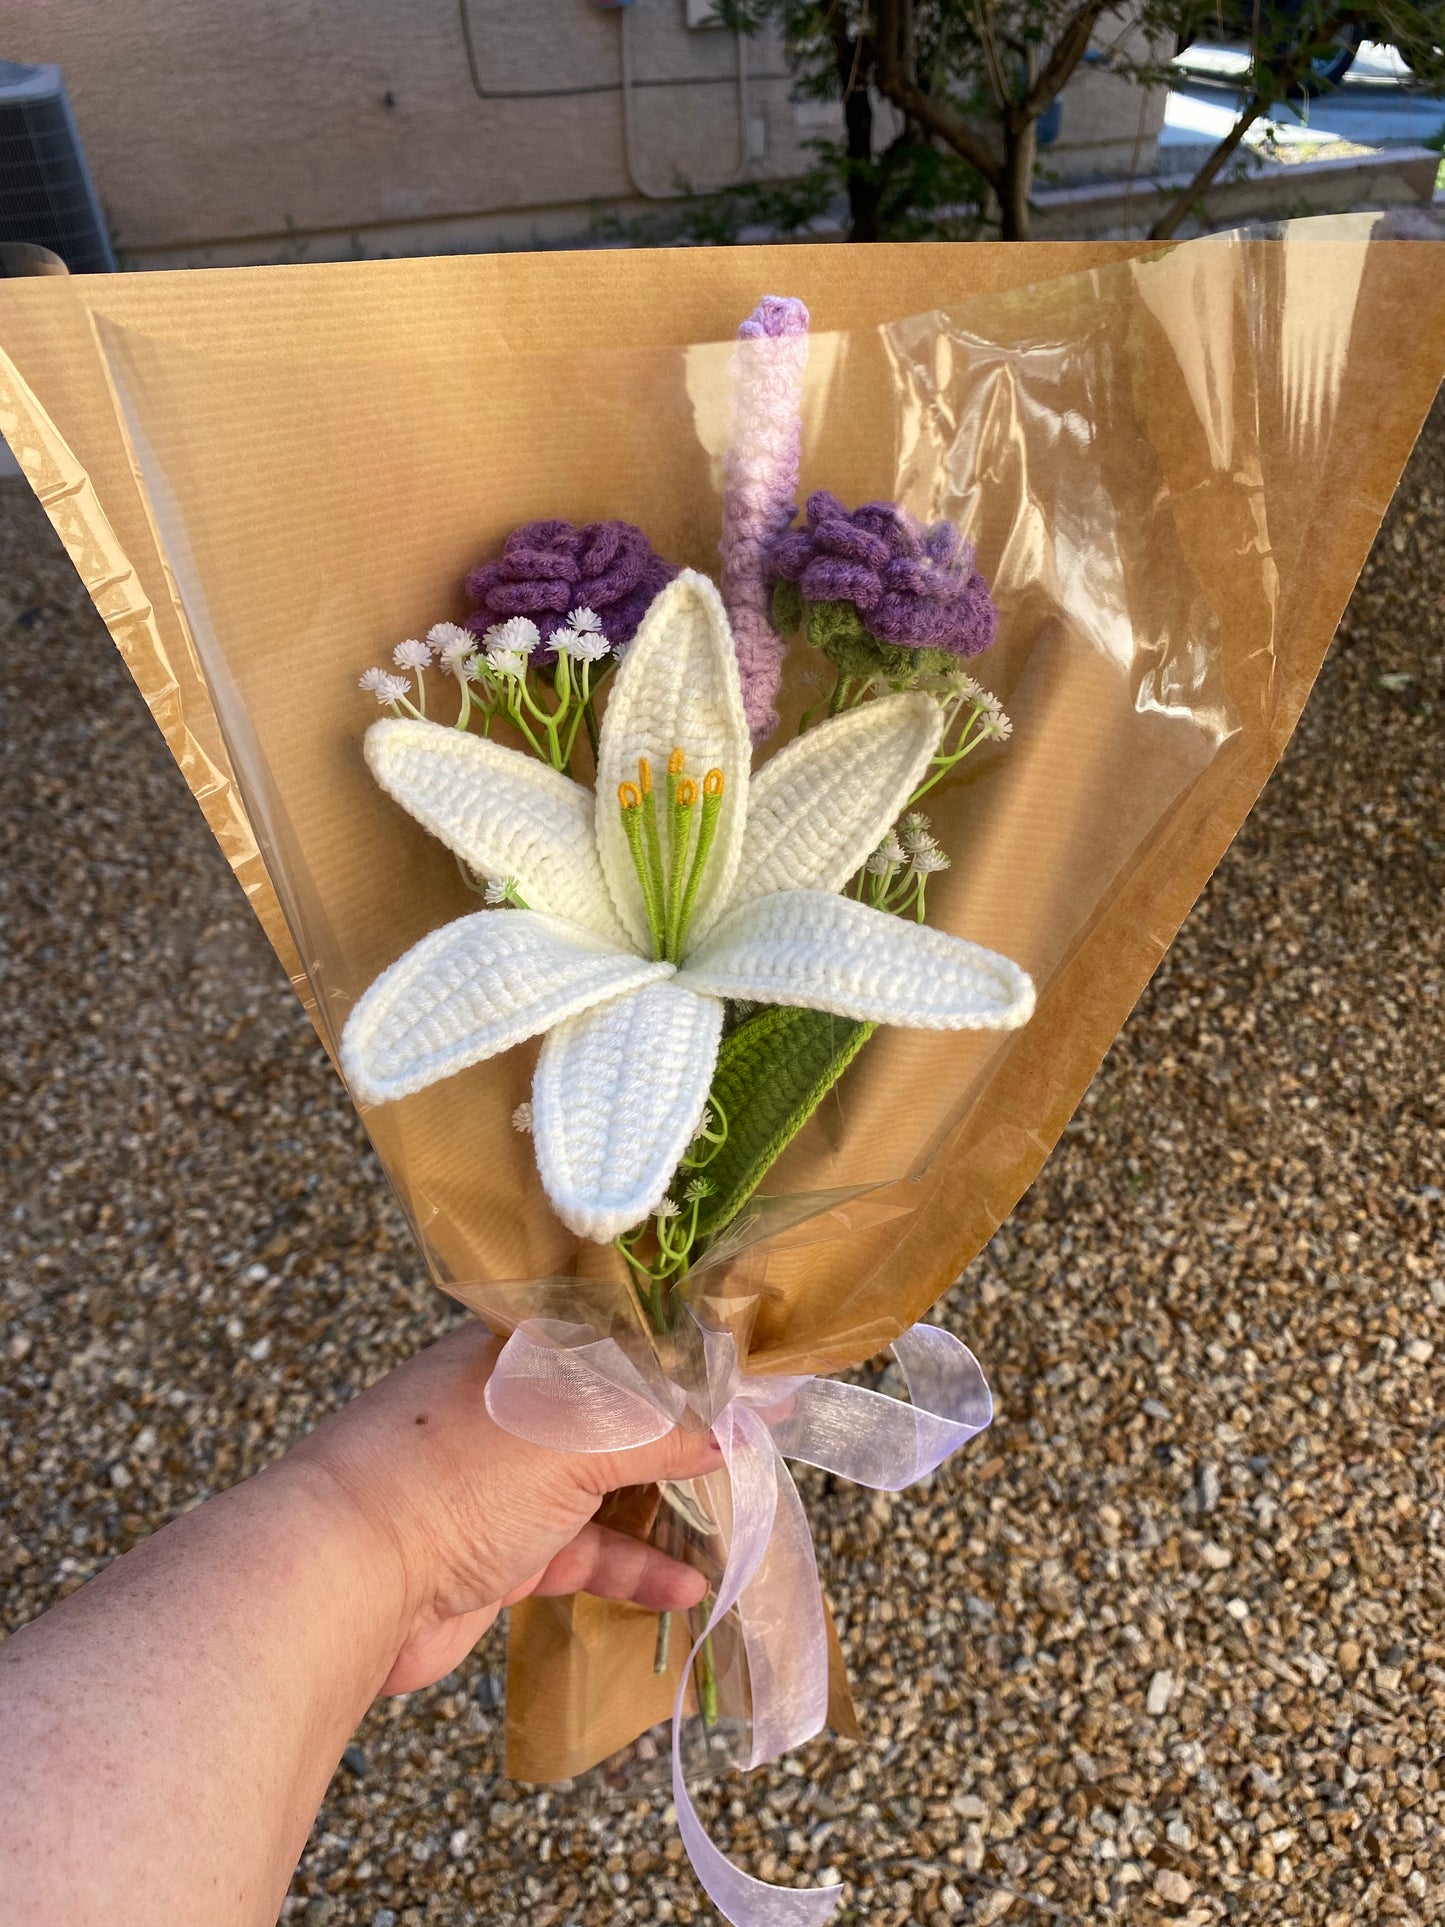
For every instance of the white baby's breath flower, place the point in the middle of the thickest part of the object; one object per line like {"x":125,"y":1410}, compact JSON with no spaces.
{"x":699,"y":1188}
{"x":928,"y":862}
{"x":879,"y":865}
{"x":997,"y":723}
{"x":453,"y":644}
{"x":519,"y":634}
{"x":583,"y":619}
{"x":386,"y":687}
{"x":667,"y":1209}
{"x":584,"y":645}
{"x":500,"y":890}
{"x":411,"y":654}
{"x":522,"y":1119}
{"x":960,"y":683}
{"x":506,"y":662}
{"x":891,"y":850}
{"x":916,"y":837}
{"x":915,"y":820}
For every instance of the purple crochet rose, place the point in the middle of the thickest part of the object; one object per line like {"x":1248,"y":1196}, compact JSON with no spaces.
{"x":914,"y":587}
{"x":547,"y":569}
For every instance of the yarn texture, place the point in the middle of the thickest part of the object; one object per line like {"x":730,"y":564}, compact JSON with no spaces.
{"x":633,"y":1040}
{"x":912,"y":587}
{"x":759,"y":489}
{"x":547,"y":569}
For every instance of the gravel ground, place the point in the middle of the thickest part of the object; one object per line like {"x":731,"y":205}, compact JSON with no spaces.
{"x":1168,"y":1644}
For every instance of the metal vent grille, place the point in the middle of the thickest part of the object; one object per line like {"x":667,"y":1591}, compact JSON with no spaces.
{"x":46,"y":194}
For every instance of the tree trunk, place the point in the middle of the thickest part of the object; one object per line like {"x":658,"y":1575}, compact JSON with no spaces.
{"x":1021,"y":145}
{"x":853,"y":63}
{"x":1167,"y":225}
{"x":863,"y":186}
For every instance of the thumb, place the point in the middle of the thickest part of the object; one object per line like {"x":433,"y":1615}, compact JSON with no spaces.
{"x":678,"y":1454}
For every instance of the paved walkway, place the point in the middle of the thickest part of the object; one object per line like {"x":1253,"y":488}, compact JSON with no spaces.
{"x":1375,"y":107}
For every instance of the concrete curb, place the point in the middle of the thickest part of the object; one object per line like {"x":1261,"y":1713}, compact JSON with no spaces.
{"x":1385,"y":177}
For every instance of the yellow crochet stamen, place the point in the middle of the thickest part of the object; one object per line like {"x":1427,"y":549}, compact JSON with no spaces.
{"x":682,"y":802}
{"x":637,"y":807}
{"x":670,"y":886}
{"x":652,"y":845}
{"x":712,"y":796}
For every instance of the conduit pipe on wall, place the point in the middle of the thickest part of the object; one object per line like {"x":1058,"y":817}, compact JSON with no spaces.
{"x":628,"y":136}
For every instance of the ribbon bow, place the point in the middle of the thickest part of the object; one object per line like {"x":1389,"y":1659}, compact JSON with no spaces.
{"x":567,"y":1387}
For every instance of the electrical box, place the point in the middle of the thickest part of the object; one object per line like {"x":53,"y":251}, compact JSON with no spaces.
{"x":46,"y":195}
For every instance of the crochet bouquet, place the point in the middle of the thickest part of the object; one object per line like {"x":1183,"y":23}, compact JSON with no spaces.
{"x":704,"y":947}
{"x":713,"y":960}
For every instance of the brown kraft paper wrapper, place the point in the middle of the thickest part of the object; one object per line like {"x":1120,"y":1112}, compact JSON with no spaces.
{"x":266,"y":477}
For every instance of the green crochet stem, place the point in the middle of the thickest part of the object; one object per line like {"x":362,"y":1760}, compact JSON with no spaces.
{"x":772,"y":1073}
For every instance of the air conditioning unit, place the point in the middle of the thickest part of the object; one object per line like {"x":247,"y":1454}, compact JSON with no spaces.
{"x":46,"y":195}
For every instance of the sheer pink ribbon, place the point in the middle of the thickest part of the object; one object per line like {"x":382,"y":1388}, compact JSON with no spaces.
{"x":564,"y":1386}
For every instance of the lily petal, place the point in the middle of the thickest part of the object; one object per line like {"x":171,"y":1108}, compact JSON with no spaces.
{"x":822,"y":805}
{"x":831,"y":953}
{"x":505,"y":814}
{"x":474,"y":988}
{"x":677,"y":688}
{"x":617,"y":1099}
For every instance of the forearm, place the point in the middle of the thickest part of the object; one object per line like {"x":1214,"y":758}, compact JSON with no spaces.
{"x":167,"y":1734}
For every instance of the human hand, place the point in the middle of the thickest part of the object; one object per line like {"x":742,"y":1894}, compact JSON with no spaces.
{"x":472,"y":1518}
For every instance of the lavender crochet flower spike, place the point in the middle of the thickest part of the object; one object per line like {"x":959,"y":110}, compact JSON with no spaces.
{"x":876,"y":573}
{"x":548,"y":568}
{"x":760,"y":484}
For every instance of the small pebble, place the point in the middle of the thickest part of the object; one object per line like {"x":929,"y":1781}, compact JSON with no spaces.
{"x":1161,"y":1691}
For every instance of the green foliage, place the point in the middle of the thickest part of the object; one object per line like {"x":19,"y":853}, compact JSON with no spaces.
{"x":781,"y":208}
{"x":965,"y":81}
{"x":772,"y":1073}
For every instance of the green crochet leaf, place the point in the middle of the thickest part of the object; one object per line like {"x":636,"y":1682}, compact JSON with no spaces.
{"x":772,"y":1073}
{"x":839,"y":631}
{"x":787,"y":608}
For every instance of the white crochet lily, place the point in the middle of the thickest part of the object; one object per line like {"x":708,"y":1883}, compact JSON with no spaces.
{"x":644,"y":911}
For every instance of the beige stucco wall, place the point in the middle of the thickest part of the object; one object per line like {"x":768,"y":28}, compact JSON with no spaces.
{"x":236,"y":131}
{"x":263,"y":130}
{"x":1110,"y":127}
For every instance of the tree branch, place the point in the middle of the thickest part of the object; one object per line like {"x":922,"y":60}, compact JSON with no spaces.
{"x":1168,"y":222}
{"x":898,"y":82}
{"x":1069,"y":49}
